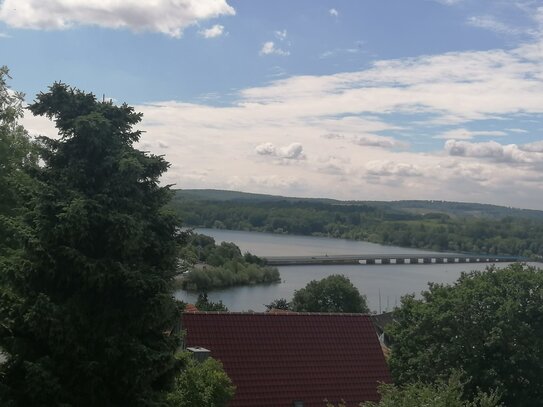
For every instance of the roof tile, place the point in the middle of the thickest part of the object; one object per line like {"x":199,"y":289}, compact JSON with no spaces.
{"x":275,"y":358}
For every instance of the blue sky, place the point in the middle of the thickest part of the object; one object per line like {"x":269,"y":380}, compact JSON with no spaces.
{"x":372,"y":99}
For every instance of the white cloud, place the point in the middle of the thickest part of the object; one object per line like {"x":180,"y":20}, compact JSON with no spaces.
{"x":455,"y":87}
{"x":492,"y":24}
{"x":390,"y":168}
{"x":356,"y":49}
{"x":334,"y":165}
{"x":39,"y":126}
{"x":163,"y":16}
{"x":472,"y":171}
{"x":266,"y":149}
{"x":465,"y":134}
{"x":281,"y":35}
{"x":4,"y":35}
{"x":535,"y":147}
{"x":216,"y":31}
{"x":333,"y":136}
{"x":449,"y":2}
{"x":269,"y":48}
{"x":372,"y":140}
{"x":333,"y":12}
{"x":293,"y":151}
{"x":511,"y":153}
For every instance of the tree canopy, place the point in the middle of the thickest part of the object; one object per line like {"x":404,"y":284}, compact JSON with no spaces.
{"x":202,"y":384}
{"x":278,"y":304}
{"x":488,"y":325}
{"x":85,"y":312}
{"x":443,"y":394}
{"x":210,"y":266}
{"x":203,"y":303}
{"x":17,"y":155}
{"x":334,"y":293}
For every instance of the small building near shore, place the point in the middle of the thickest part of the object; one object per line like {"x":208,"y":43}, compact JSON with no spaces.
{"x":292,"y":359}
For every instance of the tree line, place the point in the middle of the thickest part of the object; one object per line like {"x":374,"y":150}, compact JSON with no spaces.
{"x":519,"y":236}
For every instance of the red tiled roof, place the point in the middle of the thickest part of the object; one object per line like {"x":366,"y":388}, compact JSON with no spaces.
{"x":191,"y":308}
{"x":274,"y":359}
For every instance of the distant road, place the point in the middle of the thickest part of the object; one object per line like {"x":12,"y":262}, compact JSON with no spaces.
{"x":377,"y":259}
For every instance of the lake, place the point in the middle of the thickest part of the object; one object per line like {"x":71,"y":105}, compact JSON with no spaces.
{"x":383,"y":285}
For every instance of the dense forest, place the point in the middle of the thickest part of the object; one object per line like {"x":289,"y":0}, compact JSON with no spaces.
{"x":441,"y":226}
{"x":209,"y":266}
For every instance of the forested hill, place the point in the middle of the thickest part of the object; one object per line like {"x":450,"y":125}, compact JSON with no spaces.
{"x":436,"y":225}
{"x":224,"y":195}
{"x":461,"y":209}
{"x":453,"y":209}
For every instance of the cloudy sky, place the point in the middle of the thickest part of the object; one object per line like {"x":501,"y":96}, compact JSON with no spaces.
{"x":368,"y":99}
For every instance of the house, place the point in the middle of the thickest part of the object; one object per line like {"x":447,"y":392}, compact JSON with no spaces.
{"x":292,"y":359}
{"x":381,"y":321}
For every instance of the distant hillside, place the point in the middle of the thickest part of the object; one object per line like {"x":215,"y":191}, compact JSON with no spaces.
{"x":462,"y":209}
{"x":435,"y":225}
{"x":223,"y":195}
{"x":453,"y":209}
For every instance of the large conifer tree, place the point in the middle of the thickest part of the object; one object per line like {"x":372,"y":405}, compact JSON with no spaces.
{"x":83,"y":317}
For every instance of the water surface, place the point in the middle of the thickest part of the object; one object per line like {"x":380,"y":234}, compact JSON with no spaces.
{"x":383,"y":285}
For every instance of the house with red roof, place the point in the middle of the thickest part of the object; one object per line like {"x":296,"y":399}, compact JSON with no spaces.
{"x":292,"y":359}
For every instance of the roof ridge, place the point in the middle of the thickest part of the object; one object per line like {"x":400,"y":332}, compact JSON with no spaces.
{"x":290,"y":313}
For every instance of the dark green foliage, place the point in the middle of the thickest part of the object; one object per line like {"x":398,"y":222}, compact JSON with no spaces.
{"x":426,"y":208}
{"x":281,"y":304}
{"x":204,"y":304}
{"x":442,"y":394}
{"x":84,"y":314}
{"x":17,"y":157}
{"x":452,"y":227}
{"x":213,"y":266}
{"x":489,"y":325}
{"x":334,"y":293}
{"x":228,"y":275}
{"x":236,"y":196}
{"x":251,"y":258}
{"x":202,"y":384}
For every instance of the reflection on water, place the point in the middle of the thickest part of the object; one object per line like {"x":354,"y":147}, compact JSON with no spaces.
{"x":387,"y":282}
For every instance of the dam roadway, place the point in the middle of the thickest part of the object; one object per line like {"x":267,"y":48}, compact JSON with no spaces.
{"x":376,"y":259}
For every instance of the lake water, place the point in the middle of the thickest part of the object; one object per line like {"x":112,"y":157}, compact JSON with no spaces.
{"x":383,"y":285}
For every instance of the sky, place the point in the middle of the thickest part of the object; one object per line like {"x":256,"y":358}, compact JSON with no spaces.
{"x":357,"y":100}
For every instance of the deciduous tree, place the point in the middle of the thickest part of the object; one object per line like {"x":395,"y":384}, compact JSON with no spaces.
{"x":443,"y":394}
{"x":489,"y":325}
{"x":281,"y":304}
{"x":202,"y":384}
{"x":17,"y":154}
{"x":334,"y":293}
{"x":204,"y":304}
